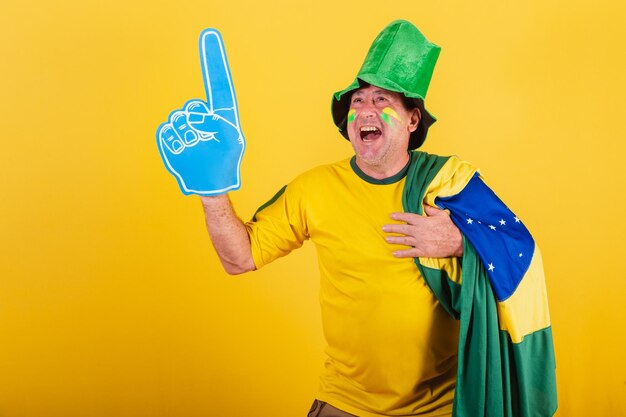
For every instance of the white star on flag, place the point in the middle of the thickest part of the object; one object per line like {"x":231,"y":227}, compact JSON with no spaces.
{"x":502,"y":222}
{"x":492,"y":227}
{"x":521,"y":254}
{"x":516,"y":219}
{"x":470,"y":221}
{"x":491,"y":267}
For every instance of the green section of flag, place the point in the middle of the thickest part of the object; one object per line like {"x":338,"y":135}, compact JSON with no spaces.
{"x":535,"y":371}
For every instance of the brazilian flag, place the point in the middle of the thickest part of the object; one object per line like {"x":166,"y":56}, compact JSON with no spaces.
{"x":506,"y":364}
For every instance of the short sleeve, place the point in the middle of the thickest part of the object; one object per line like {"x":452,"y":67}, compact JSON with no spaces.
{"x":278,"y":226}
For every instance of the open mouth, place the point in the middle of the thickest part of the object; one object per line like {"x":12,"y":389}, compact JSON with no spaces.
{"x":370,"y":133}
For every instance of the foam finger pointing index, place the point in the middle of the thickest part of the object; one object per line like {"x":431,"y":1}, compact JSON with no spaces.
{"x":218,"y":83}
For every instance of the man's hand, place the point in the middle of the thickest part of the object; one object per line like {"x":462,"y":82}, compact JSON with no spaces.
{"x":431,"y":236}
{"x":202,"y":144}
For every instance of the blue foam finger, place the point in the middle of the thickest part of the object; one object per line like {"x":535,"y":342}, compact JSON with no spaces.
{"x":218,"y":83}
{"x":202,"y":145}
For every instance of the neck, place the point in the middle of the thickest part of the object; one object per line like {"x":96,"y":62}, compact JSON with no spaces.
{"x":381,"y":171}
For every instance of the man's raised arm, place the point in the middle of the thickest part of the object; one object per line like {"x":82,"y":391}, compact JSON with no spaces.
{"x":228,"y":234}
{"x":202,"y":145}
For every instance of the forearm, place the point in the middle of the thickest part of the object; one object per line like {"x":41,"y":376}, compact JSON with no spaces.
{"x":228,"y":234}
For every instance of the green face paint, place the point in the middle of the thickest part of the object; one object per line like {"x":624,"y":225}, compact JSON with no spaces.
{"x":387,"y":112}
{"x":351,"y":115}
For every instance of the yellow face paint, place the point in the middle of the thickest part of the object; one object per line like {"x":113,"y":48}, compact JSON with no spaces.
{"x":351,"y":115}
{"x":388,"y":111}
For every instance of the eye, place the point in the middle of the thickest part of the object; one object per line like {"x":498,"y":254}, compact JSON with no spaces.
{"x":381,"y":99}
{"x":357,"y":100}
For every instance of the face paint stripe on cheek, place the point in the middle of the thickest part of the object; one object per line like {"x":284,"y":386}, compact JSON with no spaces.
{"x":391,"y":112}
{"x":351,"y":115}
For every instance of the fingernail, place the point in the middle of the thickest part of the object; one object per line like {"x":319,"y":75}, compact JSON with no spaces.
{"x":384,"y":228}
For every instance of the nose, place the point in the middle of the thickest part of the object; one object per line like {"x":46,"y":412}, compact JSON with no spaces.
{"x":368,"y":109}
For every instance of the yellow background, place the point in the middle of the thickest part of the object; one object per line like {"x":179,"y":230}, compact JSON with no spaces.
{"x":112,"y":302}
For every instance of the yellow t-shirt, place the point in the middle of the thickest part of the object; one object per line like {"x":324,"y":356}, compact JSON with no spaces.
{"x":391,"y":347}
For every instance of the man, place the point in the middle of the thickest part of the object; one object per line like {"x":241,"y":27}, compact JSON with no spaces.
{"x":391,"y":290}
{"x":384,"y":356}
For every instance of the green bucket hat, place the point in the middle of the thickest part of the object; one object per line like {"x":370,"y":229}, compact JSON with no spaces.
{"x":401,"y":59}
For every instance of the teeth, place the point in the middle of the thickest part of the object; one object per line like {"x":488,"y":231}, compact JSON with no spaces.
{"x":369,"y":129}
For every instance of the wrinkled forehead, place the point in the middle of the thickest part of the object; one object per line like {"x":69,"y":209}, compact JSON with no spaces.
{"x":372,"y":89}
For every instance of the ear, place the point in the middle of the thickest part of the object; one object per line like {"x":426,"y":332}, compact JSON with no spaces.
{"x":414,"y":121}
